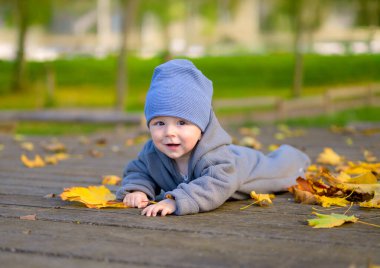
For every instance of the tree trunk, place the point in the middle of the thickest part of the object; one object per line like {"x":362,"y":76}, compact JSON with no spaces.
{"x":373,"y":18}
{"x":298,"y":53}
{"x":129,"y":10}
{"x":19,"y":78}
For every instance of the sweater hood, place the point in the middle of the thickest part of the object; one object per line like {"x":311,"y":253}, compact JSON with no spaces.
{"x":213,"y":137}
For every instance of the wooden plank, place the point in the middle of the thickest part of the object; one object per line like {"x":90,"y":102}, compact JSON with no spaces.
{"x":258,"y":244}
{"x":20,"y":259}
{"x":71,"y":115}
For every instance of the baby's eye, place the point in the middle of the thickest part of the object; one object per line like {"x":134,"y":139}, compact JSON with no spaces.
{"x":181,"y":122}
{"x":158,"y":123}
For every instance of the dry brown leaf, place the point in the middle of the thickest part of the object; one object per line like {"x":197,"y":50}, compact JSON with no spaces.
{"x":54,"y":147}
{"x":32,"y":217}
{"x":304,"y":197}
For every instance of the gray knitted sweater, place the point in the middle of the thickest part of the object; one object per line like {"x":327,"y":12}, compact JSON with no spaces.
{"x":218,"y":170}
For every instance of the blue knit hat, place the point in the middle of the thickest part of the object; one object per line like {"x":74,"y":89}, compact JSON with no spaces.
{"x":179,"y":89}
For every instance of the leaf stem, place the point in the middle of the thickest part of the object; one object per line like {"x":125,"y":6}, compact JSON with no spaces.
{"x":248,"y":205}
{"x":371,"y":224}
{"x":348,"y":208}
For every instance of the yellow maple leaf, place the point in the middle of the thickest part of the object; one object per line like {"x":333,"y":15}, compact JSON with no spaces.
{"x":365,"y":178}
{"x":111,"y":180}
{"x":360,"y":188}
{"x":361,"y":167}
{"x":92,"y":196}
{"x":326,"y":201}
{"x":329,"y":157}
{"x":32,"y":163}
{"x":329,"y":221}
{"x":261,"y":199}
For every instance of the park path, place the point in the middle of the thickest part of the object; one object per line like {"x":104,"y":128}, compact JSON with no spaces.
{"x":66,"y":234}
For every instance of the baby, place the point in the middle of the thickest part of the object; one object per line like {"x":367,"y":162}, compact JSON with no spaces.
{"x":190,"y":156}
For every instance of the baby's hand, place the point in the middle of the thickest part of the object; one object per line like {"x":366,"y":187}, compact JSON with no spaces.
{"x":166,"y":207}
{"x":136,"y":199}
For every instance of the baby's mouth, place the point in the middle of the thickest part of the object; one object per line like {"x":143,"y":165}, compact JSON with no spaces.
{"x":172,"y":145}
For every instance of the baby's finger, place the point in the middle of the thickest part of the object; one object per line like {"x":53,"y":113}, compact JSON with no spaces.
{"x":147,"y":211}
{"x":164,"y":212}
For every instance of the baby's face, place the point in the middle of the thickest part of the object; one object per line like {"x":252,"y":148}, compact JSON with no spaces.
{"x":174,"y":136}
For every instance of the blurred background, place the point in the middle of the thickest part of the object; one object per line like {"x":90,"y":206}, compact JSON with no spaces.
{"x":268,"y":59}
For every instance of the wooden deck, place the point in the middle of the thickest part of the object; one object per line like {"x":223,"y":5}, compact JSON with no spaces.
{"x":66,"y":234}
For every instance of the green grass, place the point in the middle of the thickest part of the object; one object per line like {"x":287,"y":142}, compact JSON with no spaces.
{"x":88,"y":82}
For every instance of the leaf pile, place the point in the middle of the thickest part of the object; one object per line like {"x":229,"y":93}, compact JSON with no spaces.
{"x":348,"y":182}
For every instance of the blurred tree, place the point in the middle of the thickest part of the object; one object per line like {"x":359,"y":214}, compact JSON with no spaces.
{"x":23,"y":13}
{"x":166,"y":11}
{"x":129,"y":8}
{"x":305,"y":17}
{"x":369,"y":16}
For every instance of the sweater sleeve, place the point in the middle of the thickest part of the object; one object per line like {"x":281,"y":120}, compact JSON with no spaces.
{"x":136,"y":178}
{"x":218,"y":181}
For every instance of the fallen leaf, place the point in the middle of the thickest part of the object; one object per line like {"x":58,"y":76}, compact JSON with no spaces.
{"x":369,"y":156}
{"x":360,"y":167}
{"x":251,"y":131}
{"x":373,"y":203}
{"x":28,"y":146}
{"x":101,"y":141}
{"x":251,"y":142}
{"x":329,"y":221}
{"x":329,"y":157}
{"x":326,"y":201}
{"x":304,"y":197}
{"x":273,"y":147}
{"x":54,"y":147}
{"x":92,"y":196}
{"x":27,"y":232}
{"x":32,"y":217}
{"x":365,"y":178}
{"x":55,"y":158}
{"x":349,"y":141}
{"x":32,"y":163}
{"x":49,"y":196}
{"x":95,"y":153}
{"x":111,"y":180}
{"x":262,"y":199}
